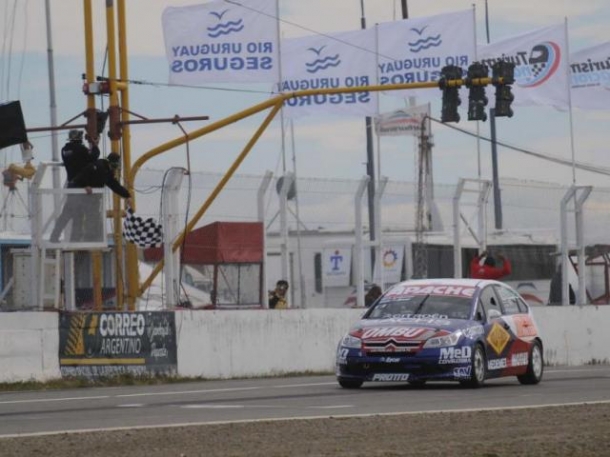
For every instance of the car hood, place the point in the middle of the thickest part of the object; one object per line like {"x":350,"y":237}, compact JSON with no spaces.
{"x":408,"y":329}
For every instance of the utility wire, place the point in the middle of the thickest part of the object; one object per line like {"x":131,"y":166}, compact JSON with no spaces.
{"x":539,"y":155}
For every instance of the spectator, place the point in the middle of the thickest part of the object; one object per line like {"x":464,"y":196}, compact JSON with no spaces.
{"x":277,"y":297}
{"x":372,"y":295}
{"x":485,"y":266}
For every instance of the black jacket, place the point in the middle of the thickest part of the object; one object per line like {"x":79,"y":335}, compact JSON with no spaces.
{"x":77,"y":156}
{"x":99,"y":174}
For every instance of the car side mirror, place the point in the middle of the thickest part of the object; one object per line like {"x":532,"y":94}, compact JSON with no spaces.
{"x":494,"y":314}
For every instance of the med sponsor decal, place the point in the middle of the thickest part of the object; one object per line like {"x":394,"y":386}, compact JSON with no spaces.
{"x":462,"y":372}
{"x":520,"y":359}
{"x":113,"y":343}
{"x":390,"y":377}
{"x":496,"y":364}
{"x":455,"y":355}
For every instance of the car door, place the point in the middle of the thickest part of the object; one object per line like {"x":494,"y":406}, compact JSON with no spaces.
{"x":497,"y":333}
{"x":520,"y":324}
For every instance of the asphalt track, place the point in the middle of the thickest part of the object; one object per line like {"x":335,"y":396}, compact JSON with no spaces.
{"x":231,"y":401}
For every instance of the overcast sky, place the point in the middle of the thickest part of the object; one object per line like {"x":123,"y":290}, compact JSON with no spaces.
{"x":328,"y":146}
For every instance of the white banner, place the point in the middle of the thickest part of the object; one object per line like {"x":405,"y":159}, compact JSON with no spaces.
{"x":406,"y":121}
{"x":541,"y":66}
{"x":590,"y":77}
{"x":336,"y":266}
{"x":329,"y":61}
{"x":222,"y":41}
{"x":415,"y":50}
{"x":392,"y":259}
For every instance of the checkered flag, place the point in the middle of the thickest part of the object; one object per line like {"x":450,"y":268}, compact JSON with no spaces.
{"x":145,"y":233}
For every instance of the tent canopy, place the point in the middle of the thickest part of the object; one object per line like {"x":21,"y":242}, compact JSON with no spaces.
{"x":219,"y":242}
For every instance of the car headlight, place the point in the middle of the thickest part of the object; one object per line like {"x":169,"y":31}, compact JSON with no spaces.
{"x":444,"y":341}
{"x":350,"y":341}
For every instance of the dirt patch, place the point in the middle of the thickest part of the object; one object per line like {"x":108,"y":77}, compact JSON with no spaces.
{"x":580,"y":431}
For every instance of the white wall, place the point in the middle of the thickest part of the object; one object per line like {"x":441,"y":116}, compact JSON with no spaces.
{"x":573,"y":335}
{"x":29,"y":346}
{"x":226,"y":344}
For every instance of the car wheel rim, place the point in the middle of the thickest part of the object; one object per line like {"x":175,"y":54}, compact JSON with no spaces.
{"x":478,"y":365}
{"x":536,"y":361}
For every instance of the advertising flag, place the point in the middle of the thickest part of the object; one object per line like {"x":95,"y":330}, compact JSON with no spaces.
{"x":392,"y":260}
{"x":590,"y":77}
{"x":402,"y":122}
{"x":222,"y":41}
{"x":336,"y":267}
{"x":415,"y":50}
{"x":541,"y":66}
{"x":329,"y":61}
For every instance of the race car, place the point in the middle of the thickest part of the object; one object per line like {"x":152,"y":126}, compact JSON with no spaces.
{"x":465,"y":330}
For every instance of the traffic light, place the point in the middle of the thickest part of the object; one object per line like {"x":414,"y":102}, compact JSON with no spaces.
{"x":503,"y":75}
{"x":451,"y":95}
{"x":477,"y":100}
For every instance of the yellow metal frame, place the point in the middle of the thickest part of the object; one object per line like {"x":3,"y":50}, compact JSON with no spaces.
{"x":274,"y":104}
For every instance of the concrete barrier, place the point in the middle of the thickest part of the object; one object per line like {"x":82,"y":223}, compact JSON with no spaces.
{"x":230,"y":344}
{"x":29,"y":346}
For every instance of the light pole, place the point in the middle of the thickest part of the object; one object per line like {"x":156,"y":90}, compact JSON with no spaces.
{"x":370,"y":162}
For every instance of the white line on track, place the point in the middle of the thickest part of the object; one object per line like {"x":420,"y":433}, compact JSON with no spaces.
{"x":44,"y":400}
{"x":335,"y":416}
{"x":175,"y":392}
{"x":228,"y":389}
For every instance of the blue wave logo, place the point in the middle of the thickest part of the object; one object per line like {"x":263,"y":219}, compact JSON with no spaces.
{"x":425,"y":42}
{"x":224,"y":28}
{"x":321,"y":63}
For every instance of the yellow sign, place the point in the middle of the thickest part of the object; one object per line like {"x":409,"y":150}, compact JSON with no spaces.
{"x":497,"y":338}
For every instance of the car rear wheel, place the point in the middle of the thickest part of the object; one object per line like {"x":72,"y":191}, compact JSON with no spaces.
{"x":347,"y":383}
{"x":535,"y":366}
{"x":478,"y":370}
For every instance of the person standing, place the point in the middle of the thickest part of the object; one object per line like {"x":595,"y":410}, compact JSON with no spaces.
{"x":372,"y":295}
{"x":75,"y":157}
{"x":277,"y":297}
{"x":486,"y":266}
{"x":94,"y":175}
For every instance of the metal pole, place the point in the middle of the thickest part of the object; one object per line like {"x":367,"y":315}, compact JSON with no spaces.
{"x":52,"y":102}
{"x":405,"y":9}
{"x":487,"y":21}
{"x":495,"y":173}
{"x":370,"y":161}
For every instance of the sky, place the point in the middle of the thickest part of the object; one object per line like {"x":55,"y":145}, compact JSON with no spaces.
{"x":321,"y":146}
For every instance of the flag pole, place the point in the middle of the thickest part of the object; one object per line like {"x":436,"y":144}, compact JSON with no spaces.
{"x":569,"y":83}
{"x":478,"y":125}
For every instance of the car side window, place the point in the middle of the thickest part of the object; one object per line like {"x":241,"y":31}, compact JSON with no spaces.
{"x":510,"y":300}
{"x":479,"y":314}
{"x":489,"y":302}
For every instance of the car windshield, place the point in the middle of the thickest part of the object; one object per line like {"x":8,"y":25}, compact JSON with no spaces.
{"x":422,"y":306}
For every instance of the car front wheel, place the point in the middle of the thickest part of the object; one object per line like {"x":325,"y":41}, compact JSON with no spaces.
{"x":535,"y":366}
{"x":478,"y":369}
